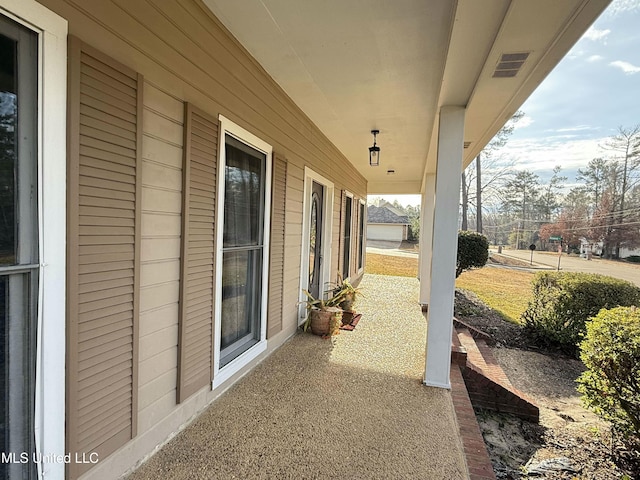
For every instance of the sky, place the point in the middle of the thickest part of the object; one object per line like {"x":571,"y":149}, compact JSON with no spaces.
{"x":594,"y":90}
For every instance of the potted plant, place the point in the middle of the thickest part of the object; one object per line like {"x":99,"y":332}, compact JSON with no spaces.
{"x":346,"y":295}
{"x":324,"y":317}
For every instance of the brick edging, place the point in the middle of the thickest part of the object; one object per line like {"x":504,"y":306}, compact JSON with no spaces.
{"x":475,"y":450}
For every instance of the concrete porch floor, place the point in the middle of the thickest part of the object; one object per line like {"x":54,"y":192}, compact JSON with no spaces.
{"x":352,"y":406}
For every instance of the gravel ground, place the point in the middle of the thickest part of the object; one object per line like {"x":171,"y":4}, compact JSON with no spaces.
{"x":349,"y":407}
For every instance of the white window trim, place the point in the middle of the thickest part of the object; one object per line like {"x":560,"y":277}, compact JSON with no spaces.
{"x":221,"y":375}
{"x":49,"y":422}
{"x":309,"y":177}
{"x":347,"y":193}
{"x":362,"y":251}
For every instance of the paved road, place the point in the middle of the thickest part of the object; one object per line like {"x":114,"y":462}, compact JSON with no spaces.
{"x":621,"y":270}
{"x":381,"y":247}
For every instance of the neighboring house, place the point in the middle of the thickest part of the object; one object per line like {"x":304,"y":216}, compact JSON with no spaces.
{"x":590,"y":246}
{"x":386,"y":222}
{"x":596,"y":247}
{"x":184,"y":169}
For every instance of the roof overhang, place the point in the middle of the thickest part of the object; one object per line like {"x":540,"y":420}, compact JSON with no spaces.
{"x":357,"y":66}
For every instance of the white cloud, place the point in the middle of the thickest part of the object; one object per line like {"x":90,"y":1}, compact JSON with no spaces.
{"x":577,"y":128}
{"x":626,"y":67}
{"x":542,"y":154}
{"x":595,"y":58}
{"x":524,"y":122}
{"x":596,"y":35}
{"x":622,"y":6}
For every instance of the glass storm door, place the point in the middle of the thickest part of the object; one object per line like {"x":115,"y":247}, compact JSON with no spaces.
{"x":18,"y":246}
{"x":243,"y":248}
{"x":315,"y":239}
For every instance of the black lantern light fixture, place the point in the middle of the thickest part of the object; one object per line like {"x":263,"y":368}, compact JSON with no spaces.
{"x":374,"y":152}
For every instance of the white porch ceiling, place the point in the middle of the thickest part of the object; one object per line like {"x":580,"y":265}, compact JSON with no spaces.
{"x":357,"y":65}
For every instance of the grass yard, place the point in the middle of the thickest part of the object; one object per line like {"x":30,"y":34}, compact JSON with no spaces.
{"x":392,"y":265}
{"x":506,"y":291}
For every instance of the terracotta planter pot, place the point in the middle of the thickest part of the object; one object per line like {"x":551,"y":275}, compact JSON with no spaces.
{"x":347,"y":317}
{"x":326,"y":322}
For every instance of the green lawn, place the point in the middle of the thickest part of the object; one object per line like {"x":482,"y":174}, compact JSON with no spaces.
{"x":506,"y":291}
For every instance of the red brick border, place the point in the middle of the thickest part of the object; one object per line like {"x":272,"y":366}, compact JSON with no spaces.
{"x":488,"y":385}
{"x":475,"y":450}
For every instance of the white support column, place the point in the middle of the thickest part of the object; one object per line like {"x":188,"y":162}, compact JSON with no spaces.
{"x":426,"y":236}
{"x":445,"y":243}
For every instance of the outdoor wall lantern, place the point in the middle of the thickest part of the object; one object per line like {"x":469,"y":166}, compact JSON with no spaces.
{"x":374,"y":152}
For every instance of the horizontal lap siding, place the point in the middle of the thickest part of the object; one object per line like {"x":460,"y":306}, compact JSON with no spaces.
{"x":104,"y":242}
{"x":161,"y":213}
{"x":198,"y":253}
{"x":293,"y":249}
{"x":276,"y":266}
{"x":185,"y":55}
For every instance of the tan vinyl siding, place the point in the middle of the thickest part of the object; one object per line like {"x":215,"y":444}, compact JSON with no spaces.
{"x":195,"y":347}
{"x":276,"y":266}
{"x":105,"y":102}
{"x":293,"y":249}
{"x":185,"y":55}
{"x":160,"y":270}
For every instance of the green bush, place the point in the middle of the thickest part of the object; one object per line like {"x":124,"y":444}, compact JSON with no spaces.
{"x":611,"y":384}
{"x":473,"y":251}
{"x":563,"y":302}
{"x":633,"y":258}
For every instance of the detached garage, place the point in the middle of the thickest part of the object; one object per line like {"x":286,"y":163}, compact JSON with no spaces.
{"x":386,"y":223}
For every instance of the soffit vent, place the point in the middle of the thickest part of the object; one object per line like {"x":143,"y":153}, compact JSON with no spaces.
{"x":510,"y":64}
{"x":467,"y":144}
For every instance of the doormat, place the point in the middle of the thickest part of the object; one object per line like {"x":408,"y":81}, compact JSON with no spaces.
{"x":354,"y":322}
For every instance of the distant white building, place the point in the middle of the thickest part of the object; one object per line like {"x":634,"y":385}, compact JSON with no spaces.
{"x":387,"y":223}
{"x":595,"y":247}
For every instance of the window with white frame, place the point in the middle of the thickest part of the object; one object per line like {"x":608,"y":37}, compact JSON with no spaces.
{"x":347,"y":240}
{"x":19,"y":264}
{"x":361,"y":224}
{"x":243,"y":226}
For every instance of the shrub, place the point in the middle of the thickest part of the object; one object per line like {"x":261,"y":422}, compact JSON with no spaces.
{"x":563,"y":302}
{"x":611,"y":384}
{"x":633,"y":258}
{"x":473,"y":251}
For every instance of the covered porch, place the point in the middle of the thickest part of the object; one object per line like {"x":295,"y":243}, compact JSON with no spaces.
{"x":352,"y":406}
{"x":434,"y":80}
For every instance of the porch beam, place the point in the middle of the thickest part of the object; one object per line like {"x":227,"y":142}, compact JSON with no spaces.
{"x":445,"y":243}
{"x":426,"y":236}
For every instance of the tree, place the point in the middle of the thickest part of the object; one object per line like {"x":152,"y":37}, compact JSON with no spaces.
{"x":493,"y":172}
{"x":413,"y":214}
{"x":465,"y":202}
{"x":626,"y":145}
{"x":595,"y":177}
{"x":521,"y":194}
{"x":550,"y":198}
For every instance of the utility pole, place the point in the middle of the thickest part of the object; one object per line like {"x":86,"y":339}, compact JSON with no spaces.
{"x":478,"y":195}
